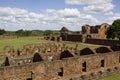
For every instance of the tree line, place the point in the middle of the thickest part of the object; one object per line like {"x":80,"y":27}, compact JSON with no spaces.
{"x":22,"y":32}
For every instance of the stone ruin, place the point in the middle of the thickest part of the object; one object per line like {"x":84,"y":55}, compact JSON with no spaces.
{"x":48,"y":51}
{"x":97,"y":32}
{"x":61,"y":62}
{"x":88,"y":32}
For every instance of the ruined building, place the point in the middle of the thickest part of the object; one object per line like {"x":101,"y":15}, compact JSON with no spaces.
{"x":58,"y":62}
{"x":97,"y":31}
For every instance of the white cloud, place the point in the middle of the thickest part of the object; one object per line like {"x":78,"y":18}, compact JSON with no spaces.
{"x":111,"y":18}
{"x":15,"y":18}
{"x":109,"y":13}
{"x":99,"y":8}
{"x":93,"y":6}
{"x":84,"y":2}
{"x":114,"y":17}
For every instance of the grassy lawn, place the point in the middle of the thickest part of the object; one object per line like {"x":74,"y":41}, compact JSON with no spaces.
{"x":115,"y":76}
{"x":19,"y":42}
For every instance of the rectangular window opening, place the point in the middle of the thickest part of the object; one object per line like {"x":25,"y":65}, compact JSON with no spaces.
{"x":60,"y":73}
{"x":84,"y":67}
{"x":102,"y":63}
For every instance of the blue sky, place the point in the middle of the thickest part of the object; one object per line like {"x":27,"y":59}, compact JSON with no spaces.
{"x":53,"y":14}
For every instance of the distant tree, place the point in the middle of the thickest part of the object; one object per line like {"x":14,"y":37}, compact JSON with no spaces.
{"x":27,"y":33}
{"x":8,"y":33}
{"x":64,"y":30}
{"x":114,"y":30}
{"x":2,"y":31}
{"x":48,"y":33}
{"x":19,"y":32}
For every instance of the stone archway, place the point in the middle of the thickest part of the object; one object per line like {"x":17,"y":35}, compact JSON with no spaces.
{"x":66,"y":54}
{"x":37,"y":57}
{"x":36,"y":49}
{"x":89,"y":36}
{"x":9,"y":50}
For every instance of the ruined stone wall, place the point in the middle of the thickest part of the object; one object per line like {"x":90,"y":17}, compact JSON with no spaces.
{"x":102,"y":30}
{"x":84,"y":67}
{"x":53,"y":38}
{"x":92,"y":39}
{"x":97,"y":31}
{"x":103,"y":42}
{"x":71,"y":37}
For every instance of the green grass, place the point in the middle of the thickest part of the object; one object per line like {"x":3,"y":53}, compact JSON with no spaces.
{"x":18,"y":42}
{"x":115,"y":76}
{"x":83,"y":45}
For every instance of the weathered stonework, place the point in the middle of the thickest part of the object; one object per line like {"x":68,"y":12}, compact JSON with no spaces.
{"x":76,"y":67}
{"x":97,"y":31}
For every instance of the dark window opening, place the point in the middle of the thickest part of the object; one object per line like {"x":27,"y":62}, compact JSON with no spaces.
{"x":60,"y":73}
{"x":84,"y":67}
{"x":102,"y":63}
{"x":119,"y":59}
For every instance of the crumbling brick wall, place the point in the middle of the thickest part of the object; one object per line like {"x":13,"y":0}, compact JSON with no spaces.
{"x":63,"y":69}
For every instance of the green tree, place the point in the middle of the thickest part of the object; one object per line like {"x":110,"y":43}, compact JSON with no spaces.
{"x":64,"y":30}
{"x":19,"y":32}
{"x":114,"y":30}
{"x":2,"y":31}
{"x":27,"y":33}
{"x":48,"y":33}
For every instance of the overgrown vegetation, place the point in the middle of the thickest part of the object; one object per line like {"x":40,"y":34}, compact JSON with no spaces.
{"x":114,"y":30}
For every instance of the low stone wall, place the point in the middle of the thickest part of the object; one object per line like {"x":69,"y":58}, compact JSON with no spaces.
{"x":103,"y":42}
{"x":72,"y":37}
{"x":53,"y":38}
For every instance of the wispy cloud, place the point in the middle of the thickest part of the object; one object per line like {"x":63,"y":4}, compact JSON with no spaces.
{"x":102,"y":8}
{"x":93,"y":6}
{"x":84,"y":2}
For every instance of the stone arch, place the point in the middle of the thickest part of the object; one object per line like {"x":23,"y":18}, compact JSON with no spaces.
{"x":36,"y":49}
{"x":102,"y":50}
{"x":115,"y":48}
{"x":89,"y":36}
{"x":86,"y":51}
{"x":65,"y":54}
{"x":37,"y":57}
{"x":8,"y":47}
